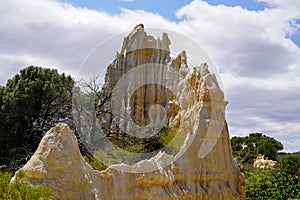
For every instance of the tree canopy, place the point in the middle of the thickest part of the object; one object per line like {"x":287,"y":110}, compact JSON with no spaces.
{"x":31,"y":103}
{"x":245,"y":149}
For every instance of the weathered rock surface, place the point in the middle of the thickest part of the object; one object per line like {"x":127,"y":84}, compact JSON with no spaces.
{"x":263,"y":163}
{"x":192,"y":102}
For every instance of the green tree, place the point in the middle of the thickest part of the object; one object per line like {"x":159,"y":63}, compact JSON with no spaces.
{"x":269,"y":147}
{"x":290,"y":164}
{"x":271,"y":184}
{"x":3,"y":140}
{"x":32,"y":102}
{"x":245,"y":149}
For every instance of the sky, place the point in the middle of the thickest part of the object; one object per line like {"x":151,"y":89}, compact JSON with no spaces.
{"x":254,"y":43}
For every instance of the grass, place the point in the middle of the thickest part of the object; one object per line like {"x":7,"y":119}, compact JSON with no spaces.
{"x":20,"y":189}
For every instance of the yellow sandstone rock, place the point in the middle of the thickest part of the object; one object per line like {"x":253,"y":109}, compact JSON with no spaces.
{"x":193,"y":103}
{"x":262,"y":163}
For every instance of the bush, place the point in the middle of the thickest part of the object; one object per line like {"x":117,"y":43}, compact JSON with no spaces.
{"x":20,"y":189}
{"x":271,"y":184}
{"x":290,"y":164}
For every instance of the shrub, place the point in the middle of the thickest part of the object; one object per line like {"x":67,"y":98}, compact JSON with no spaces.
{"x":271,"y":184}
{"x":20,"y":189}
{"x":290,"y":164}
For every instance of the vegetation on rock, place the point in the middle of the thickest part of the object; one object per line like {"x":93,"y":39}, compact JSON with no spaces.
{"x":150,"y":145}
{"x":20,"y":189}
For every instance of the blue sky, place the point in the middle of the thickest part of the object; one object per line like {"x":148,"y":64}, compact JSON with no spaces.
{"x":166,"y":8}
{"x":295,"y":37}
{"x":248,"y":4}
{"x":253,"y":47}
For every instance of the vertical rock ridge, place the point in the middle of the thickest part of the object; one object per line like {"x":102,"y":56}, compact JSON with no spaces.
{"x":203,"y":168}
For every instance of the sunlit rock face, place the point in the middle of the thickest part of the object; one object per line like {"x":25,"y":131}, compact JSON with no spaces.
{"x":160,"y":89}
{"x":263,"y":163}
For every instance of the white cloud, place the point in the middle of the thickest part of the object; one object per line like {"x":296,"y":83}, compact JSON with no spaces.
{"x":262,"y":66}
{"x":289,"y":145}
{"x":246,"y":42}
{"x":50,"y":32}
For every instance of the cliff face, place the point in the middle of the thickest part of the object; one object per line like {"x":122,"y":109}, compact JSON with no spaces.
{"x":148,"y":89}
{"x":137,"y":78}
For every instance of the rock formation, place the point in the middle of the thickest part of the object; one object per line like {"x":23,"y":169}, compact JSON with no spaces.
{"x":158,"y":88}
{"x":262,"y":163}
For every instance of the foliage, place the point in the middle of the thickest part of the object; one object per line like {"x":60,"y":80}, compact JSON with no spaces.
{"x":271,"y":184}
{"x":173,"y":140}
{"x":290,"y":164}
{"x":114,"y":156}
{"x":119,"y":155}
{"x":245,"y":149}
{"x":95,"y":163}
{"x":32,"y":101}
{"x":142,"y":149}
{"x":275,"y":184}
{"x":20,"y":189}
{"x":35,"y":100}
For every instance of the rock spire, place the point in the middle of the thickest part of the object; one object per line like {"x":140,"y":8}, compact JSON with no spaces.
{"x":159,"y":89}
